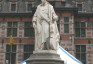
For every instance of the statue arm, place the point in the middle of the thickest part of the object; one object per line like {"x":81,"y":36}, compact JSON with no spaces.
{"x":55,"y":17}
{"x":34,"y":20}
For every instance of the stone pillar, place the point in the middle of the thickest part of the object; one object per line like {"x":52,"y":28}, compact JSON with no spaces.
{"x":2,"y":54}
{"x":45,"y":57}
{"x":19,"y":55}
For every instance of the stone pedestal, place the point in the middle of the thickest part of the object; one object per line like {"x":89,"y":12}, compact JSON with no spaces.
{"x":45,"y":57}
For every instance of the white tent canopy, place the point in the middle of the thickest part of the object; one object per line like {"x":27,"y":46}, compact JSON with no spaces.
{"x":65,"y":56}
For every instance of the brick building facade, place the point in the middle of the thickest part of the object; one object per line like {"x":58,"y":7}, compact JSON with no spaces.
{"x":75,"y":25}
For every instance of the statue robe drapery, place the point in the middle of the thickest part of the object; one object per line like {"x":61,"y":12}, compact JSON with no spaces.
{"x":42,"y":17}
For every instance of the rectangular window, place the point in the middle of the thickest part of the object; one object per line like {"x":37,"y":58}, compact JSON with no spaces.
{"x":59,"y":4}
{"x":12,"y":29}
{"x":79,"y":7}
{"x":66,"y":24}
{"x":7,"y":0}
{"x":28,"y":50}
{"x":81,"y":53}
{"x":29,"y":7}
{"x":80,"y":29}
{"x":10,"y":54}
{"x":13,"y":7}
{"x":28,"y":29}
{"x":63,"y":4}
{"x":92,"y":28}
{"x":0,"y":28}
{"x":23,"y":0}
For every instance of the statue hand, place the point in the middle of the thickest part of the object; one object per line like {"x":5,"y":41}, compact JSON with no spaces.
{"x":34,"y":25}
{"x":48,"y":21}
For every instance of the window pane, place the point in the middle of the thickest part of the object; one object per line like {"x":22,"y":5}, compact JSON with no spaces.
{"x":31,"y":33}
{"x":26,"y":55}
{"x":7,"y":48}
{"x":9,"y":32}
{"x":77,"y":25}
{"x":13,"y":48}
{"x":66,"y":28}
{"x":23,"y":0}
{"x":28,"y":50}
{"x":83,"y":48}
{"x":28,"y":30}
{"x":9,"y":24}
{"x":8,"y":58}
{"x":83,"y":58}
{"x":82,"y":24}
{"x":58,"y":4}
{"x":79,"y":7}
{"x":13,"y":7}
{"x":83,"y":32}
{"x":78,"y":56}
{"x":92,"y":25}
{"x":14,"y":32}
{"x":12,"y":55}
{"x":77,"y":32}
{"x":81,"y":53}
{"x":15,"y":24}
{"x":66,"y":19}
{"x":27,"y":24}
{"x":7,"y":0}
{"x":13,"y":58}
{"x":77,"y":48}
{"x":63,"y":4}
{"x":29,"y":7}
{"x":12,"y":29}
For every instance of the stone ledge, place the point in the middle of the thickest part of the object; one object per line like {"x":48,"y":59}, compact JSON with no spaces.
{"x":45,"y":51}
{"x":45,"y":57}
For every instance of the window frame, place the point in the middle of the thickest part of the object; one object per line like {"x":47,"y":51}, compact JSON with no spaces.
{"x":80,"y":36}
{"x":80,"y":52}
{"x":66,"y":23}
{"x":92,"y":29}
{"x":9,"y":52}
{"x":11,"y":7}
{"x":29,"y":28}
{"x":77,"y":6}
{"x":27,"y":6}
{"x":12,"y":29}
{"x":27,"y":52}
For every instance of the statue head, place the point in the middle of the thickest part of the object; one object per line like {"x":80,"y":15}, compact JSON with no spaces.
{"x":43,"y":1}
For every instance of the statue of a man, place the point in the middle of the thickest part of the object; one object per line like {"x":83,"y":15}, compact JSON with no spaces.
{"x":46,"y":31}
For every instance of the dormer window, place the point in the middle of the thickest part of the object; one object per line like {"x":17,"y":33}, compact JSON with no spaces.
{"x":29,"y":7}
{"x":79,"y":7}
{"x":60,"y":4}
{"x":13,"y":7}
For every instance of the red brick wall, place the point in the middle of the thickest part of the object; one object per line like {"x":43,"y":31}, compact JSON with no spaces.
{"x":24,"y":40}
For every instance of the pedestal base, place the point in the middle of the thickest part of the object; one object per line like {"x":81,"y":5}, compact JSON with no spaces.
{"x":45,"y":58}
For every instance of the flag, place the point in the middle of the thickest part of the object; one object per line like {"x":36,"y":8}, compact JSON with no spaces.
{"x":11,"y":40}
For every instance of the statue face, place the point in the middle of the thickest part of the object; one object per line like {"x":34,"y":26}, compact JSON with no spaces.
{"x":43,"y":1}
